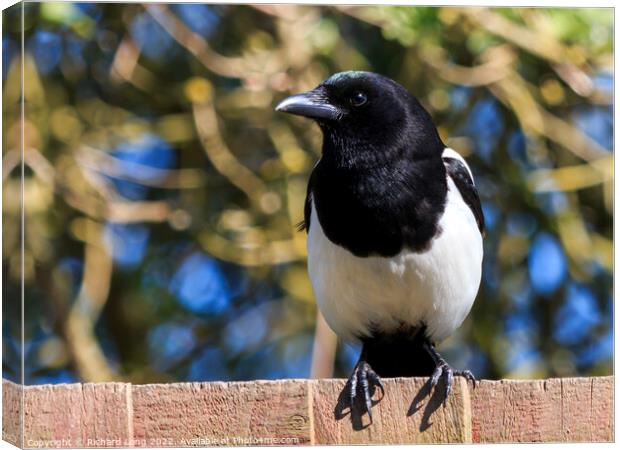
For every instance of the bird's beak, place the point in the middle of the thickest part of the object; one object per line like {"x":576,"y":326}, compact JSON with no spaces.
{"x":313,"y":104}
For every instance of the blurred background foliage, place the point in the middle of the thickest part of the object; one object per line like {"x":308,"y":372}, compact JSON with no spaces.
{"x":162,"y":191}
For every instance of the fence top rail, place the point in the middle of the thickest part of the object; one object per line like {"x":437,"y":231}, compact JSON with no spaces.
{"x":300,"y":411}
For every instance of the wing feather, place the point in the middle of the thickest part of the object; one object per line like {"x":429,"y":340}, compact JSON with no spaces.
{"x":461,"y":175}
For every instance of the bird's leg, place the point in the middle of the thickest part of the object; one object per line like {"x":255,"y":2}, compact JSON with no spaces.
{"x":363,"y":381}
{"x":443,"y":369}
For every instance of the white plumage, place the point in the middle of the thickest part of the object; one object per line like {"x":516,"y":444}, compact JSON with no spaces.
{"x":436,"y":287}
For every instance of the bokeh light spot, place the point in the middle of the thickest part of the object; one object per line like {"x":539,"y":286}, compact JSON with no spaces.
{"x":169,"y":343}
{"x":153,"y":41}
{"x":577,"y":316}
{"x":547,"y":264}
{"x":200,"y":285}
{"x":46,"y":48}
{"x":126,"y":243}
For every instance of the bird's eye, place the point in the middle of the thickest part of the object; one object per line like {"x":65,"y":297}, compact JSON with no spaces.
{"x":358,"y":98}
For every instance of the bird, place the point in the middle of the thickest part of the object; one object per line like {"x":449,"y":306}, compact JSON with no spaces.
{"x":394,"y":229}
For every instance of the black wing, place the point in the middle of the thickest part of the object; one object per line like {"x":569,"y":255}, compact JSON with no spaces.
{"x":305,"y":224}
{"x":460,"y":175}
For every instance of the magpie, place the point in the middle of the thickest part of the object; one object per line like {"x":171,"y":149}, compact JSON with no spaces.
{"x":395,"y":230}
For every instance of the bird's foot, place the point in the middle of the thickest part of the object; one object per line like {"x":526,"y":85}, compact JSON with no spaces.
{"x":445,"y":372}
{"x":363,"y":381}
{"x":467,"y":375}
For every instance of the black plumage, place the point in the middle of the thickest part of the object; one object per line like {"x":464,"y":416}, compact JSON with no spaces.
{"x":380,"y":184}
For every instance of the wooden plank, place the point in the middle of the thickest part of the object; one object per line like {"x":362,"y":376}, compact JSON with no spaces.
{"x":11,"y":412}
{"x":407,"y":415}
{"x":553,"y":410}
{"x":77,"y":415}
{"x":602,"y":408}
{"x":516,"y":411}
{"x":577,"y":405}
{"x":208,"y":414}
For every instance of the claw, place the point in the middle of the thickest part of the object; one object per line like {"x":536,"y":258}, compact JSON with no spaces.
{"x":467,"y":375}
{"x":364,"y":378}
{"x":436,"y":375}
{"x":377,"y":381}
{"x":443,"y":370}
{"x":449,"y":378}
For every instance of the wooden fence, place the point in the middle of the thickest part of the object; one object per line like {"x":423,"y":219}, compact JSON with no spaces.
{"x":304,"y":412}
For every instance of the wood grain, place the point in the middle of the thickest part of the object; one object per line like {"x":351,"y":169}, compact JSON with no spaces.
{"x":74,"y":415}
{"x":12,"y":413}
{"x":553,"y":410}
{"x":207,"y":414}
{"x":303,"y":412}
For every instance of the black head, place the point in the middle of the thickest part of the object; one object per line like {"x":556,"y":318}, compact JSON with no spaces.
{"x":364,"y":110}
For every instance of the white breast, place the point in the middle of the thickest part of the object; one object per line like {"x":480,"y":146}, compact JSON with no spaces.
{"x":436,"y":287}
